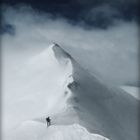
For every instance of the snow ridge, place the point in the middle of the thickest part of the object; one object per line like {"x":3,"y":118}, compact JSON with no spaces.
{"x":31,"y":130}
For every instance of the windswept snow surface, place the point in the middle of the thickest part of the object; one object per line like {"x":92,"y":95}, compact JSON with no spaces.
{"x":31,"y":130}
{"x":37,"y":88}
{"x":53,"y":83}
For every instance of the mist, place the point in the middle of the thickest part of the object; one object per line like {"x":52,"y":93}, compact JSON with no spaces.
{"x":111,"y":54}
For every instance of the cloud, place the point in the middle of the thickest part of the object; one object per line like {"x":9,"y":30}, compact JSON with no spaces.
{"x":111,"y":54}
{"x":91,"y":13}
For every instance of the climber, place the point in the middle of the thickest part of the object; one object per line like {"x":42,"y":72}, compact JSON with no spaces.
{"x":48,"y":120}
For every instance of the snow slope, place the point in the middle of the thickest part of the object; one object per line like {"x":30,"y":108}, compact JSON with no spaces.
{"x":36,"y":88}
{"x":53,"y":83}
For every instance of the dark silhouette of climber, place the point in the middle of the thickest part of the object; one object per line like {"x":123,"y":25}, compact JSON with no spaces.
{"x":48,"y":120}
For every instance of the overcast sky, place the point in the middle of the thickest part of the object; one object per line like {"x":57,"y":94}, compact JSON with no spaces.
{"x":89,"y":13}
{"x":101,"y":35}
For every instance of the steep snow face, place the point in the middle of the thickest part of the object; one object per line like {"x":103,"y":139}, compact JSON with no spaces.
{"x":37,"y":88}
{"x":31,"y":130}
{"x":104,"y":110}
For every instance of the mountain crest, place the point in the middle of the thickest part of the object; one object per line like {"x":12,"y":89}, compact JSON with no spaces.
{"x":60,"y":52}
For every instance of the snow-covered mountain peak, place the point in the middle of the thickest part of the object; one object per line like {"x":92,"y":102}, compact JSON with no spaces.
{"x":60,"y":52}
{"x":52,"y":54}
{"x":52,"y":83}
